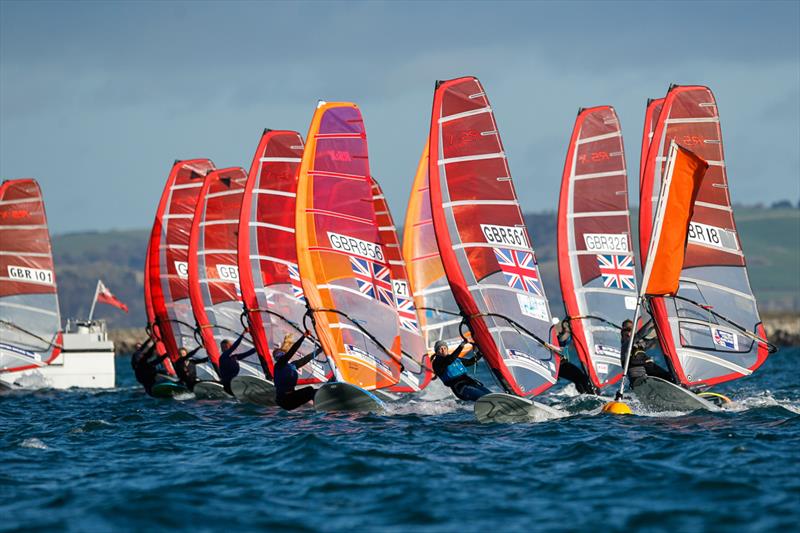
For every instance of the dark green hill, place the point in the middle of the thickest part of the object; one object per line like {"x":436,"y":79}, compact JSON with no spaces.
{"x":770,"y":238}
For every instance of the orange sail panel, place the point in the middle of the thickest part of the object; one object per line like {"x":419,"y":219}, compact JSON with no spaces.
{"x":484,"y":245}
{"x":346,"y":279}
{"x":30,"y":322}
{"x":702,"y":347}
{"x":268,"y":271}
{"x":213,"y":266}
{"x":417,"y":373}
{"x":595,"y":257}
{"x":168,"y":256}
{"x":438,"y":311}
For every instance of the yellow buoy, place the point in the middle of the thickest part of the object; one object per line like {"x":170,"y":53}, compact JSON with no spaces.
{"x":617,"y":408}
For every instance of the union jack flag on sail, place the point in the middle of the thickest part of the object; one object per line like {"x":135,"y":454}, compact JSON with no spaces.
{"x":374,"y":279}
{"x":519,"y":269}
{"x":297,"y":286}
{"x":617,"y":271}
{"x":407,"y":313}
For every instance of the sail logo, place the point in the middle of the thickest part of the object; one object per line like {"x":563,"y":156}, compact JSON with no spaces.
{"x":519,"y":270}
{"x":353,"y":246}
{"x":505,"y":235}
{"x":523,"y":358}
{"x":606,"y":242}
{"x":400,"y":287}
{"x":30,"y":275}
{"x":228,"y":273}
{"x":712,"y":236}
{"x":367,"y":358}
{"x":725,"y":339}
{"x":533,"y":307}
{"x":335,"y":155}
{"x":617,"y":271}
{"x":182,"y":268}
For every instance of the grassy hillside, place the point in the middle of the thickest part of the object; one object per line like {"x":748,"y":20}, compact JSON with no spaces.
{"x":770,"y":238}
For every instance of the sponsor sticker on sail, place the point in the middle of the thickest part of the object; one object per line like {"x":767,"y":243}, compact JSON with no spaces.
{"x":533,"y":306}
{"x":30,"y":275}
{"x":725,"y":339}
{"x":610,"y":351}
{"x":182,"y":268}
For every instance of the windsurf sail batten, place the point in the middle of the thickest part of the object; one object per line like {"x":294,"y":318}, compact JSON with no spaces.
{"x":484,"y":244}
{"x":30,"y":319}
{"x":714,"y":274}
{"x":595,"y":255}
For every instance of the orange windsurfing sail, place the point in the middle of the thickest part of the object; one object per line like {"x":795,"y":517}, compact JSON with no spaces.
{"x":345,"y":275}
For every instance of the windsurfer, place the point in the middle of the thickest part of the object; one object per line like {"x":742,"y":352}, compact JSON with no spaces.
{"x":185,"y":367}
{"x":568,"y":370}
{"x":146,"y":365}
{"x":229,"y":361}
{"x":640,"y":365}
{"x":286,"y":394}
{"x":451,"y":369}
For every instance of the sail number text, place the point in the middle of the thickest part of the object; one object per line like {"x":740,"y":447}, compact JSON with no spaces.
{"x":507,"y":235}
{"x":30,"y":275}
{"x":353,"y":246}
{"x":606,"y":242}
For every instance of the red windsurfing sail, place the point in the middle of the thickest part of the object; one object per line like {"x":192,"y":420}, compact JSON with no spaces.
{"x":152,"y":330}
{"x":213,"y":265}
{"x":30,"y":323}
{"x":595,"y":257}
{"x":484,"y":244}
{"x":438,"y":311}
{"x":651,"y":116}
{"x":346,"y":280}
{"x":168,"y":257}
{"x":269,"y":275}
{"x":417,"y":372}
{"x":710,"y":330}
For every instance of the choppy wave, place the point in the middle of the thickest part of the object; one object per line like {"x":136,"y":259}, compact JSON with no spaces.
{"x":119,"y":460}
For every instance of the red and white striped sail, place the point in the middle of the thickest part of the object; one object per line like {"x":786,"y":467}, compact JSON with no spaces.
{"x":346,"y":279}
{"x":417,"y":371}
{"x":213,"y":265}
{"x":168,"y":257}
{"x":595,"y":257}
{"x":484,"y":244}
{"x":269,"y":275}
{"x":152,"y":329}
{"x":437,"y":308}
{"x":30,"y":322}
{"x":702,"y":348}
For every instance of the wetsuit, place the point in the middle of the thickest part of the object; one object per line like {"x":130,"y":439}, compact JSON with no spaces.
{"x":145,"y":363}
{"x":229,"y":363}
{"x":570,"y":371}
{"x":641,"y":366}
{"x":453,"y":372}
{"x":286,"y":394}
{"x":185,"y":368}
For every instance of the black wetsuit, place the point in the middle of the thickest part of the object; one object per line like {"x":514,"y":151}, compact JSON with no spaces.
{"x":286,"y":394}
{"x":186,"y":370}
{"x":641,"y":366}
{"x":145,"y":363}
{"x":572,"y":372}
{"x":452,"y":371}
{"x":229,"y":363}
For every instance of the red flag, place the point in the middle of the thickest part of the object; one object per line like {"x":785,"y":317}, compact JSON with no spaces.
{"x":104,"y":296}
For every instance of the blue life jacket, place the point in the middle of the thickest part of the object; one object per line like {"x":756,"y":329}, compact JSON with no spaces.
{"x":455,"y":370}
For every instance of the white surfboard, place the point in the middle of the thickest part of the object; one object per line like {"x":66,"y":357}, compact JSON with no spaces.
{"x":660,"y":395}
{"x":252,"y":389}
{"x":507,"y":408}
{"x":339,"y":396}
{"x":210,"y":390}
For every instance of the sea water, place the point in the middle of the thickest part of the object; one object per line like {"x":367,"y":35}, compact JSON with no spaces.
{"x":119,"y":460}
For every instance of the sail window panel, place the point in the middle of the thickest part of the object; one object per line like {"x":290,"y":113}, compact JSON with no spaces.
{"x":463,"y":97}
{"x":470,"y":136}
{"x":23,"y":312}
{"x":740,"y":350}
{"x":601,"y":156}
{"x":735,"y":306}
{"x":471,"y":180}
{"x":608,"y":194}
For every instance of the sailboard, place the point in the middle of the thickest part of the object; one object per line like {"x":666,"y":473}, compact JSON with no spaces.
{"x":272,"y":293}
{"x":417,"y":371}
{"x":502,"y":408}
{"x":595,"y":257}
{"x":658,"y":394}
{"x":483,"y":242}
{"x":213,"y":272}
{"x":167,"y":265}
{"x":710,"y":331}
{"x":343,"y":396}
{"x":210,"y":390}
{"x":168,"y":389}
{"x":346,"y":279}
{"x":30,"y":320}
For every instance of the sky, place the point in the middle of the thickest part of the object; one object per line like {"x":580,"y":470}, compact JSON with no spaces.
{"x":97,"y":99}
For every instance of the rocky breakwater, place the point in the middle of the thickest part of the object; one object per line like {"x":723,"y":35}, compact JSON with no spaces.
{"x":783,"y":329}
{"x":126,"y":339}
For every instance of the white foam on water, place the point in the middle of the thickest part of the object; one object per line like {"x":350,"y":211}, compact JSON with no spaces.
{"x":427,"y":408}
{"x":34,"y":443}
